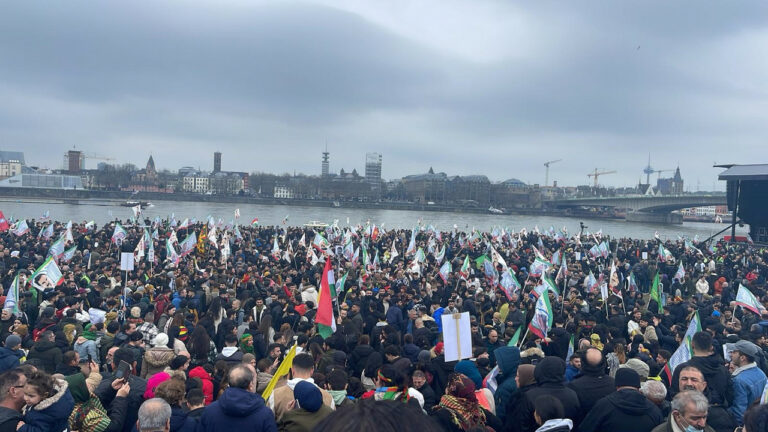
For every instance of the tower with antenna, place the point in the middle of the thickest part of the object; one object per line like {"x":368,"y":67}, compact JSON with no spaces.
{"x":648,"y":171}
{"x":326,"y":163}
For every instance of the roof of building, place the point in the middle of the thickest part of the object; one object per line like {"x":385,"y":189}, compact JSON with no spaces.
{"x":745,"y":172}
{"x":513,"y":182}
{"x":6,"y":156}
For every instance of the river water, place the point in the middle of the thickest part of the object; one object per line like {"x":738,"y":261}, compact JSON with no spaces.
{"x":101,"y":212}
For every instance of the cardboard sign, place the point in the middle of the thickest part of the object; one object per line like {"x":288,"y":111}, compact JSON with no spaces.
{"x":645,"y":255}
{"x":126,"y":261}
{"x":457,"y":336}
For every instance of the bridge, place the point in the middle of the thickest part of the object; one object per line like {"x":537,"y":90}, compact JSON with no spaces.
{"x":643,"y":208}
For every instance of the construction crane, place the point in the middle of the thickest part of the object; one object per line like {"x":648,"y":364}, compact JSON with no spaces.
{"x":597,"y":174}
{"x":546,"y":176}
{"x":661,"y":171}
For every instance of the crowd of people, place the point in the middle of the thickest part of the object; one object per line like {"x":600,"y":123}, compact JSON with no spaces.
{"x":222,"y":332}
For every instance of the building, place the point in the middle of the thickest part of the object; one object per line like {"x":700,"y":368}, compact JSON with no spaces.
{"x":10,"y":169}
{"x":74,"y":161}
{"x":325,"y":169}
{"x":373,"y":172}
{"x":474,"y":188}
{"x":225,"y":183}
{"x":196,"y":182}
{"x":283,"y":192}
{"x":429,"y":187}
{"x":12,"y":156}
{"x":672,"y":185}
{"x":216,"y":162}
{"x":47,"y":181}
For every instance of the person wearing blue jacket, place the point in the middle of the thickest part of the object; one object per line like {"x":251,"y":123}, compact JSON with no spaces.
{"x":507,"y":359}
{"x":238,"y":408}
{"x":748,"y":380}
{"x":11,"y":353}
{"x":49,"y":404}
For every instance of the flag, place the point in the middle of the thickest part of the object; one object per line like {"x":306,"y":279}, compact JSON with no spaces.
{"x":47,"y":233}
{"x":12,"y":297}
{"x":570,"y":350}
{"x":282,"y":370}
{"x":339,"y":285}
{"x":119,"y":234}
{"x":498,"y":259}
{"x":326,"y":323}
{"x":590,"y":282}
{"x":613,"y":280}
{"x":509,"y":283}
{"x":68,"y":254}
{"x":151,"y":252}
{"x":171,"y":254}
{"x":138,"y":253}
{"x":541,"y":322}
{"x":680,"y":273}
{"x":604,"y":250}
{"x":319,"y":242}
{"x":441,"y":255}
{"x":20,"y":228}
{"x":655,"y":294}
{"x":664,"y":253}
{"x":136,"y":210}
{"x":632,"y":283}
{"x":515,"y":337}
{"x":412,"y":244}
{"x":683,"y":353}
{"x":491,"y":380}
{"x":555,"y":258}
{"x":420,"y":255}
{"x":303,"y":240}
{"x":464,"y":270}
{"x":255,"y":222}
{"x":4,"y":226}
{"x":188,"y":245}
{"x":57,"y":248}
{"x":550,"y":285}
{"x":275,"y":248}
{"x":237,"y":213}
{"x":47,"y":276}
{"x":184,"y":224}
{"x":539,"y":266}
{"x":366,"y":258}
{"x":594,"y":251}
{"x":445,"y":271}
{"x":747,"y":300}
{"x":285,"y":220}
{"x":490,"y":272}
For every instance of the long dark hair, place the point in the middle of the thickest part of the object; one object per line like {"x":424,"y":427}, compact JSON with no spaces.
{"x":199,"y":343}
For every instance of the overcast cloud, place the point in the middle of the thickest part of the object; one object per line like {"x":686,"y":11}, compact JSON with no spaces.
{"x":466,"y":87}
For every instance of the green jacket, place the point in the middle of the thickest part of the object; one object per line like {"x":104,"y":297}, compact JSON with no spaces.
{"x":301,"y":420}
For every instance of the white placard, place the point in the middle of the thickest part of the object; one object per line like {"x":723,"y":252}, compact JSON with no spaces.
{"x":126,"y":261}
{"x":578,"y":256}
{"x":645,"y":255}
{"x":457,"y":336}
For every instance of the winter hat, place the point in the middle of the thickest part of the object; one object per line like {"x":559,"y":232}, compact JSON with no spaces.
{"x":626,"y":377}
{"x":160,"y":340}
{"x":178,"y":362}
{"x":424,"y":356}
{"x":12,"y":341}
{"x":308,"y":396}
{"x":154,"y":381}
{"x":639,"y":366}
{"x":135,"y":312}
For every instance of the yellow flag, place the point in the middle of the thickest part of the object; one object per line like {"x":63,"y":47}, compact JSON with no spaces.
{"x":282,"y":370}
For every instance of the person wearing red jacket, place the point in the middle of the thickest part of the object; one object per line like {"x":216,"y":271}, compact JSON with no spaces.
{"x":207,"y":381}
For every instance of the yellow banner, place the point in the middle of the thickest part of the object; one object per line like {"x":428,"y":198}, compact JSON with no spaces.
{"x":282,"y":370}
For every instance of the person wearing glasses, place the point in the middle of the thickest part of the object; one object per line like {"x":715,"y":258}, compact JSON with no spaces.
{"x":12,"y":384}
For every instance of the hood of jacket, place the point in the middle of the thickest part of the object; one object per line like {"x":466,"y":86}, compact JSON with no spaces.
{"x":709,"y":365}
{"x":159,"y":356}
{"x":58,"y":405}
{"x":237,"y":402}
{"x":229,"y":351}
{"x":629,"y":401}
{"x":508,"y":359}
{"x":6,"y":352}
{"x":556,"y":424}
{"x":550,"y":370}
{"x":43,"y":345}
{"x":199,"y":372}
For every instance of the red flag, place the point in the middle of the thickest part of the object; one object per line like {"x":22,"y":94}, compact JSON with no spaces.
{"x":4,"y":226}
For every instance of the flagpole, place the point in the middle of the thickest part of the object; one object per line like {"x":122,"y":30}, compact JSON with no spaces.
{"x":527,"y":329}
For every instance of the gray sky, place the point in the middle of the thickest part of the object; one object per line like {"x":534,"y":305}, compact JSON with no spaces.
{"x":467,"y":87}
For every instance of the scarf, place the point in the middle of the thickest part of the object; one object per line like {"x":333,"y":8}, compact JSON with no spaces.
{"x":465,"y":413}
{"x":338,"y":396}
{"x":244,"y":347}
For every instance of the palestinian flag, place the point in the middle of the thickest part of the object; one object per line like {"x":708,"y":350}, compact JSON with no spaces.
{"x":326,"y":322}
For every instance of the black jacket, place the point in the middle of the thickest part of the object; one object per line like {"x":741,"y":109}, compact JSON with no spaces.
{"x":626,"y":410}
{"x":47,"y":353}
{"x":430,"y":399}
{"x":717,"y":377}
{"x":591,"y":385}
{"x":107,"y":394}
{"x":357,"y":359}
{"x":549,"y":374}
{"x":9,"y":419}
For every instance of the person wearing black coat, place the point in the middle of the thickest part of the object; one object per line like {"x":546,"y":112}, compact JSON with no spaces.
{"x":592,"y":384}
{"x":46,"y":351}
{"x":359,"y":356}
{"x":625,"y":410}
{"x":107,"y":394}
{"x":711,"y":365}
{"x":549,"y":375}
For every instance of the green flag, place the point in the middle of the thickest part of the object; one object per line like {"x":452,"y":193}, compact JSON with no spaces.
{"x":515,"y":338}
{"x":655,"y":295}
{"x":480,"y":260}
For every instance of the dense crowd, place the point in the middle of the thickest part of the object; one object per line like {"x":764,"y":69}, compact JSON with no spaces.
{"x":220,"y":327}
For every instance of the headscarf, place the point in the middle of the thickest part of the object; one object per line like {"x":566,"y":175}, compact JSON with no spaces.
{"x":525,"y":375}
{"x":595,"y":339}
{"x":77,"y":387}
{"x":244,"y":347}
{"x":469,"y":368}
{"x":461,"y":403}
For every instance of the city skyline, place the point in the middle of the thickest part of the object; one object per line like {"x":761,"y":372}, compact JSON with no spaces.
{"x":467,"y":88}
